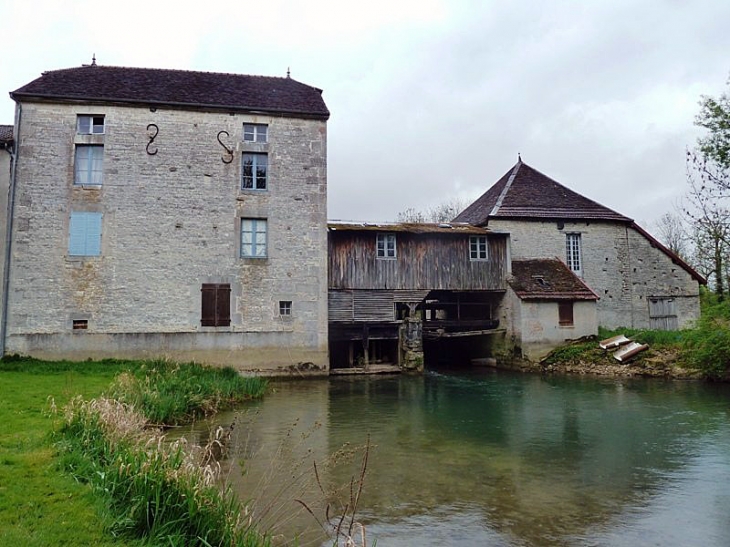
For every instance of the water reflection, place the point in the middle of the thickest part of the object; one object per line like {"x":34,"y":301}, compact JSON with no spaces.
{"x":496,"y":459}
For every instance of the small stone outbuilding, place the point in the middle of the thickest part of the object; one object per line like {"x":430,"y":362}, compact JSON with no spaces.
{"x":550,"y":306}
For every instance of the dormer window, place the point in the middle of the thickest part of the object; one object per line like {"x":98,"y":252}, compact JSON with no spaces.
{"x":90,"y":125}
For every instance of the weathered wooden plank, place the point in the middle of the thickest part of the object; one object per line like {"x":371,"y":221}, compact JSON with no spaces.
{"x":422,"y":262}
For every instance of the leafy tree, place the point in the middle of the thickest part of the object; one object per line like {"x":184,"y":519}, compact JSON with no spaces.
{"x":715,"y":117}
{"x":708,"y":175}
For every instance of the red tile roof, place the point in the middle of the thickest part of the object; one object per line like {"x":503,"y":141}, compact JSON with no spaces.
{"x":547,"y":279}
{"x":524,"y":192}
{"x":179,"y":88}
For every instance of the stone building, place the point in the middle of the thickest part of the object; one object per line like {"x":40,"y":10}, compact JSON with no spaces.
{"x":639,"y":282}
{"x":549,"y":305}
{"x":168,"y":213}
{"x":6,"y":154}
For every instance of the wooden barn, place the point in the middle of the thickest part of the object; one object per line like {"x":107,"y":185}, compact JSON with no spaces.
{"x":403,"y":293}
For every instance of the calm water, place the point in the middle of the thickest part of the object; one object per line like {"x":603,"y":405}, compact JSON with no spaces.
{"x":492,"y":458}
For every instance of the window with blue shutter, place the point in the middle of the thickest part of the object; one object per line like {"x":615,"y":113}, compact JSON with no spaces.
{"x":84,"y":234}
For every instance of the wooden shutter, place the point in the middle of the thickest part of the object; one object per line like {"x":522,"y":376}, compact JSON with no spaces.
{"x":223,"y":306}
{"x":565,"y":313}
{"x":215,"y":305}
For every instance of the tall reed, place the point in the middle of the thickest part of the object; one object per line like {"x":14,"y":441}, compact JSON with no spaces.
{"x":159,"y":491}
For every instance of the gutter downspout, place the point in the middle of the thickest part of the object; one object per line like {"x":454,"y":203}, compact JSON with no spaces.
{"x":9,"y":228}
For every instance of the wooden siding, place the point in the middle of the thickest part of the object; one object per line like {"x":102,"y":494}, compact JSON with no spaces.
{"x":422,"y":262}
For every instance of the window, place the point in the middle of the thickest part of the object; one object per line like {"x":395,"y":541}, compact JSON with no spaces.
{"x":90,"y":125}
{"x":565,"y":313}
{"x":572,"y":253}
{"x":385,"y":246}
{"x":478,"y":247}
{"x":285,"y":307}
{"x":84,"y":237}
{"x":80,"y":324}
{"x":253,"y":238}
{"x":88,"y":164}
{"x":215,"y":305}
{"x":254,"y":132}
{"x":254,"y":171}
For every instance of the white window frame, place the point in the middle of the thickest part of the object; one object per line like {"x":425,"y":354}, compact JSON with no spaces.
{"x":90,"y":124}
{"x":573,"y":253}
{"x":84,"y":234}
{"x":385,"y":245}
{"x":254,"y":238}
{"x":89,"y":164}
{"x":255,"y":132}
{"x":255,"y":178}
{"x":478,"y":248}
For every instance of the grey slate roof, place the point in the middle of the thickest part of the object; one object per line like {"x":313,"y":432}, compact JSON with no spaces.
{"x":180,"y":88}
{"x":547,"y":279}
{"x":6,"y":133}
{"x":524,"y":192}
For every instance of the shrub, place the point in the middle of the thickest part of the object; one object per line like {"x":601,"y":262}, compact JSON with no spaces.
{"x":707,"y":347}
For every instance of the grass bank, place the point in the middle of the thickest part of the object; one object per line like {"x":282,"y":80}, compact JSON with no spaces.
{"x":39,"y":505}
{"x":699,"y":352}
{"x":136,"y":478}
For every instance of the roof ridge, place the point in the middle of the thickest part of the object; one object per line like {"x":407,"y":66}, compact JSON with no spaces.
{"x":506,"y":188}
{"x":154,"y":69}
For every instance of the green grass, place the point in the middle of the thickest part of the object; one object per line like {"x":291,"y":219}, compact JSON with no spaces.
{"x":39,"y":505}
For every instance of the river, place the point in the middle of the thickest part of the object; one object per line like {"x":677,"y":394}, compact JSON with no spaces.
{"x":488,"y":458}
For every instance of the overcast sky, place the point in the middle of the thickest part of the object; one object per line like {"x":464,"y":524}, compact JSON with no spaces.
{"x":433,"y":99}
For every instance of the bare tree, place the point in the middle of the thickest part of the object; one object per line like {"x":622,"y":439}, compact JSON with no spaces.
{"x":708,"y":212}
{"x":443,"y":212}
{"x":673,"y":233}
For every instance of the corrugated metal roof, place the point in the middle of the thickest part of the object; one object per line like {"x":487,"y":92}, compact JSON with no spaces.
{"x":181,"y":88}
{"x":409,"y":227}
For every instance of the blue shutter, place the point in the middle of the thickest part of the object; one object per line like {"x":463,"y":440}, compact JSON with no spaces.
{"x":84,"y":234}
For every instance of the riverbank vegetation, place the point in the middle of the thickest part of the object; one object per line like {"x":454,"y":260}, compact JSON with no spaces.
{"x":145,"y":490}
{"x":702,"y":351}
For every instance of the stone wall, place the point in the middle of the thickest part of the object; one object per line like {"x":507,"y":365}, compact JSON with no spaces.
{"x":536,"y":330}
{"x":5,"y":164}
{"x":619,"y":264}
{"x":170,"y":222}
